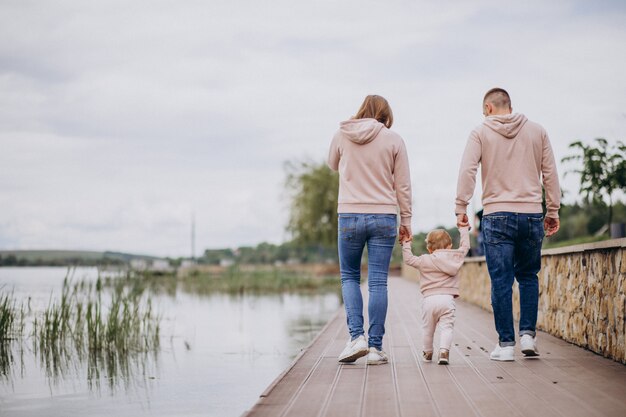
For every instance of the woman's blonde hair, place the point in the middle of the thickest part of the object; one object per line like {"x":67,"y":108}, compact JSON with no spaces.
{"x":438,"y":239}
{"x":376,"y":107}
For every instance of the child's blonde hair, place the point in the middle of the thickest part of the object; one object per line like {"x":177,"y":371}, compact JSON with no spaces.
{"x":438,"y":239}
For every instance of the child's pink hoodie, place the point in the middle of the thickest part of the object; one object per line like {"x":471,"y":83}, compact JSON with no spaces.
{"x":439,"y":269}
{"x":373,"y":169}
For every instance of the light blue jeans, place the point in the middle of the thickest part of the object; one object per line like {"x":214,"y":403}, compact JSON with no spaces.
{"x":378,"y":232}
{"x":513,"y":251}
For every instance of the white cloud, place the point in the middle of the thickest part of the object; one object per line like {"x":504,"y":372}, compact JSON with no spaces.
{"x":119,"y":120}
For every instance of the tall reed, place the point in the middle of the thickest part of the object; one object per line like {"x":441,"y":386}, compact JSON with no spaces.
{"x":11,"y":317}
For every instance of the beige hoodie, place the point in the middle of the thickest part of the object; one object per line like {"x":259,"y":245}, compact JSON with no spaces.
{"x":515,"y":157}
{"x":373,"y":169}
{"x":439,"y":269}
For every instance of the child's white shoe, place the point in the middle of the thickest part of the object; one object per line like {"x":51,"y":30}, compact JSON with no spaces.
{"x":444,"y":357}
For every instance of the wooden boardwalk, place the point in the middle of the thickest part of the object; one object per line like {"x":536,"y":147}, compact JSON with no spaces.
{"x":565,"y":380}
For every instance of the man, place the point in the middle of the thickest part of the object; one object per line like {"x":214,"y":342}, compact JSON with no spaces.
{"x":516,"y":158}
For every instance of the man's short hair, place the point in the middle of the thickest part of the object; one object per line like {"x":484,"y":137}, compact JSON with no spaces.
{"x":498,"y":97}
{"x":438,"y":239}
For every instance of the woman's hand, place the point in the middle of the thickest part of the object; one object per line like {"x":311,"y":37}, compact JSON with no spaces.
{"x":405,"y":234}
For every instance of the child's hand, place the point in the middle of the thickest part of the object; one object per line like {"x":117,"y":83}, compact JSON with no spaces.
{"x":407,"y":239}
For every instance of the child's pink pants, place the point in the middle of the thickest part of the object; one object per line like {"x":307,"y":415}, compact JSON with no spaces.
{"x":438,"y":309}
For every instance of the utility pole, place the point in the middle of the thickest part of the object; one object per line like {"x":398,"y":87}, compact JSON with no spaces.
{"x":193,"y":236}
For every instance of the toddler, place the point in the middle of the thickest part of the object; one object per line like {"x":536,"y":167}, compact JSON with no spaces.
{"x":439,"y":284}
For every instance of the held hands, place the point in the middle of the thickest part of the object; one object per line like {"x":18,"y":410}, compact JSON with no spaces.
{"x":405,"y":234}
{"x":551,"y":226}
{"x":462,"y":220}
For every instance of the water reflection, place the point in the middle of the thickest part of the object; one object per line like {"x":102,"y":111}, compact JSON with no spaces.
{"x":6,"y":359}
{"x":113,"y":334}
{"x":217,"y":353}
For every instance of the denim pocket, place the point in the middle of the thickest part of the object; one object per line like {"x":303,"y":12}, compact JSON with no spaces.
{"x":347,"y":227}
{"x":494,"y":229}
{"x":535,"y":230}
{"x":387,"y":226}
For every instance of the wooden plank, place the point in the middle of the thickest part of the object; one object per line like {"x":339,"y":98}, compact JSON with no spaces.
{"x":314,"y":393}
{"x":447,"y":396}
{"x":413,"y":393}
{"x":486,"y":400}
{"x":565,"y":381}
{"x":548,"y":396}
{"x":346,"y":398}
{"x":380,"y":396}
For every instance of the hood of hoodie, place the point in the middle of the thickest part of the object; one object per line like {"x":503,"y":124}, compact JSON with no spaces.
{"x":448,"y":261}
{"x":360,"y":131}
{"x":508,"y":125}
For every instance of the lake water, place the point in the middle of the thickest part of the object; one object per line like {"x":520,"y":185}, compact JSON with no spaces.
{"x":217,"y":353}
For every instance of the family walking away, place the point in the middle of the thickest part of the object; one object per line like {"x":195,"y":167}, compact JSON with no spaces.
{"x":516,"y":162}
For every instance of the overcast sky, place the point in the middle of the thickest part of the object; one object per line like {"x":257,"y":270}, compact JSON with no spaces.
{"x":120,"y":119}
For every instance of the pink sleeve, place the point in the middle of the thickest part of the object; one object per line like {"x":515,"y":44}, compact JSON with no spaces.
{"x":550,"y":179}
{"x":333,"y":154}
{"x":467,"y":173}
{"x":402,"y":184}
{"x":408,"y":256}
{"x":464,"y":245}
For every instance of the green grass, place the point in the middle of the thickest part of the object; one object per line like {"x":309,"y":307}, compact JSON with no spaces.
{"x":235,"y":280}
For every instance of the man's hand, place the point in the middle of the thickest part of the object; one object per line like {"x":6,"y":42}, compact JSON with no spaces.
{"x":551,"y":226}
{"x":405,"y":234}
{"x":462,"y":220}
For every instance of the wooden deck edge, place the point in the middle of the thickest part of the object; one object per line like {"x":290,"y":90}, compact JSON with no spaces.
{"x":299,"y":356}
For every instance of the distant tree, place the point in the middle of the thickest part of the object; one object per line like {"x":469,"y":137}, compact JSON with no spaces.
{"x":603,"y":170}
{"x":313,"y":189}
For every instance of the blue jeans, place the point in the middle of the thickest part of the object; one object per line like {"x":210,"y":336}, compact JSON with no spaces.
{"x":513,"y":250}
{"x":378,"y":232}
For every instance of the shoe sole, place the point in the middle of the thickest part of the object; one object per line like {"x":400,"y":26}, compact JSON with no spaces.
{"x":503,"y":359}
{"x":529,"y":353}
{"x":356,"y":355}
{"x":442,"y":362}
{"x":377,"y":362}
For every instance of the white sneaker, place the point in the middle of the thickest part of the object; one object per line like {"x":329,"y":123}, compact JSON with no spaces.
{"x":376,"y":357}
{"x":529,"y":345}
{"x":354,"y":350}
{"x":506,"y":353}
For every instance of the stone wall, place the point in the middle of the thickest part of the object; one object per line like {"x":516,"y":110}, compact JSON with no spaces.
{"x":582,"y":294}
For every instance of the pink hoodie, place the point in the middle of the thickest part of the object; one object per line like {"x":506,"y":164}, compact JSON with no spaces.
{"x":439,"y":269}
{"x":515,"y":157}
{"x":373,"y":169}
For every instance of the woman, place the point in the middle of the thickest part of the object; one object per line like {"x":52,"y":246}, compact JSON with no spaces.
{"x":374,"y":180}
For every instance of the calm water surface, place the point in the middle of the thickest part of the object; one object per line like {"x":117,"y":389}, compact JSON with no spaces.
{"x":217,"y":354}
